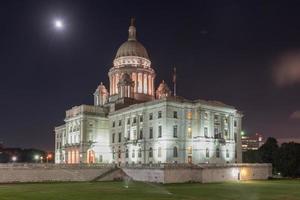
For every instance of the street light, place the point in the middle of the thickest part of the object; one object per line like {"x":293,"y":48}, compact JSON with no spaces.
{"x":14,"y":158}
{"x":49,"y":156}
{"x":36,"y":158}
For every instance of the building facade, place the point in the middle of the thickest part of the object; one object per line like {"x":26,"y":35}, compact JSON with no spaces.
{"x":252,"y":142}
{"x":135,"y":123}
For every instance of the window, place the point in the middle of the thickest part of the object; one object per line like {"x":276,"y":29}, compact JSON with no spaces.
{"x":205,"y":132}
{"x":159,"y":114}
{"x":113,"y":138}
{"x":120,"y":137}
{"x":119,"y":153}
{"x":150,"y":116}
{"x":216,"y":132}
{"x":175,"y":131}
{"x":205,"y":115}
{"x":113,"y":124}
{"x":159,"y":131}
{"x":235,"y":153}
{"x":141,"y":133}
{"x":190,"y":150}
{"x":159,"y":152}
{"x":128,"y":121}
{"x":150,"y":152}
{"x":227,"y":153}
{"x":226,"y":132}
{"x":235,"y":123}
{"x":141,"y":118}
{"x":189,"y":115}
{"x":218,"y":153}
{"x":175,"y":152}
{"x":207,"y":153}
{"x":140,"y":153}
{"x":216,"y":117}
{"x":120,"y":122}
{"x":175,"y":114}
{"x":113,"y":153}
{"x":126,"y":153}
{"x":133,"y":153}
{"x":235,"y":137}
{"x":150,"y":132}
{"x":190,"y":132}
{"x":128,"y":135}
{"x":134,"y":120}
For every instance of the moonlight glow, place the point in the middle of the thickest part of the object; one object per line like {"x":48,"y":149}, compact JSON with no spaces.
{"x":58,"y":24}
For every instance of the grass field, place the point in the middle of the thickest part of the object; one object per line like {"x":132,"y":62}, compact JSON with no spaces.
{"x":254,"y":190}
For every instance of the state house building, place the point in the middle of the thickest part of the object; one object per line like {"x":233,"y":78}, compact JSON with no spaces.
{"x":135,"y":122}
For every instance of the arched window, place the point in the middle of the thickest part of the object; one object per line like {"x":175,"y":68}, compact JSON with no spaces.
{"x":150,"y":152}
{"x":159,"y":152}
{"x":218,"y":153}
{"x":207,"y":153}
{"x":175,"y":152}
{"x":126,"y":153}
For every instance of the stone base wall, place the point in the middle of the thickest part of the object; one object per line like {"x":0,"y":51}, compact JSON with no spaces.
{"x":10,"y":173}
{"x":200,"y":173}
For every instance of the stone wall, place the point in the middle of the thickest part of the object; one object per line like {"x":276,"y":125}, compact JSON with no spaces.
{"x":10,"y":173}
{"x":200,"y":173}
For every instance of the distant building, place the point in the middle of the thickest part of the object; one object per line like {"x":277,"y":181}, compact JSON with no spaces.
{"x":136,"y":123}
{"x":252,"y":142}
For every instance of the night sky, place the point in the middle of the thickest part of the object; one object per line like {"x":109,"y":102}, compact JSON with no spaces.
{"x":243,"y":53}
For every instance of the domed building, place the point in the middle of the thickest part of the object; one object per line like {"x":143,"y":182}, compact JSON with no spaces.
{"x":133,"y":122}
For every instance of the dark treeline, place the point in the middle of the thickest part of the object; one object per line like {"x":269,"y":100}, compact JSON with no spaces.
{"x":285,"y":158}
{"x":23,"y":155}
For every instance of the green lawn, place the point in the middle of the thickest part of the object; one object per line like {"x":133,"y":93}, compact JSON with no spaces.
{"x":254,"y":190}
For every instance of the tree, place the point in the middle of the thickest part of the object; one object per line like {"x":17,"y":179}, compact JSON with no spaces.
{"x":289,"y":159}
{"x":269,"y":153}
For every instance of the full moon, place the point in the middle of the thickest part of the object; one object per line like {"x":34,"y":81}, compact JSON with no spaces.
{"x":58,"y":24}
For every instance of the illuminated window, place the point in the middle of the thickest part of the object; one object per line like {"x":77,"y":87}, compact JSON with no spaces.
{"x":189,"y":115}
{"x":175,"y":152}
{"x":190,"y":150}
{"x":190,"y":132}
{"x":140,"y":83}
